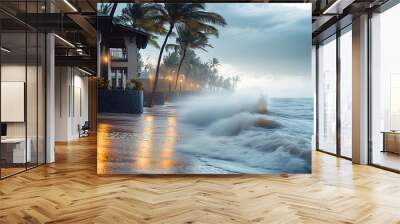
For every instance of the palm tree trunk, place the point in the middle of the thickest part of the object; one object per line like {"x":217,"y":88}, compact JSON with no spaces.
{"x":179,"y":68}
{"x":158,"y":65}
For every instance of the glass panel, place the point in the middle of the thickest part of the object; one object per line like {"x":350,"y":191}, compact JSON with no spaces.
{"x":35,"y":47}
{"x":23,"y":88}
{"x":346,"y":94}
{"x":385,"y":82}
{"x":13,"y":86}
{"x":41,"y":98}
{"x":327,"y":96}
{"x":31,"y":98}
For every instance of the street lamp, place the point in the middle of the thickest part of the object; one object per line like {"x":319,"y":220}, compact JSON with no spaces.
{"x":169,"y":84}
{"x":105,"y":59}
{"x":180,"y":86}
{"x":151,"y":83}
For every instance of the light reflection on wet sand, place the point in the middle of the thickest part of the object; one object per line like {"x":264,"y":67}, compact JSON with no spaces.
{"x":129,"y":144}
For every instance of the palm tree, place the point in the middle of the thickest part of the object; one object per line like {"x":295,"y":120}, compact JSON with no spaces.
{"x":105,"y":9}
{"x":145,"y":17}
{"x":170,"y":61}
{"x":190,"y":14}
{"x":188,"y":39}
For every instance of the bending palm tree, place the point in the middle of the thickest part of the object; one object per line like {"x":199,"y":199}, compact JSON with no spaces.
{"x":188,"y":39}
{"x":145,"y":17}
{"x":190,"y":14}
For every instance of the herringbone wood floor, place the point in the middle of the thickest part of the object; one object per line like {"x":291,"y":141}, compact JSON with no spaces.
{"x":69,"y":191}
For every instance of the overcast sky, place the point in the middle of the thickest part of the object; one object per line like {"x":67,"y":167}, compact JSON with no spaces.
{"x":267,"y":45}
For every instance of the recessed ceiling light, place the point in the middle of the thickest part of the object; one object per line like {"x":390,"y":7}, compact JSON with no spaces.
{"x":5,"y":50}
{"x":70,"y":5}
{"x":64,"y":40}
{"x":337,"y":7}
{"x":86,"y":72}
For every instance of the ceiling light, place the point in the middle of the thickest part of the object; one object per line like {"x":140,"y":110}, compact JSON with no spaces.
{"x":86,"y":72}
{"x":337,"y":7}
{"x":5,"y":50}
{"x":70,"y":5}
{"x":65,"y":41}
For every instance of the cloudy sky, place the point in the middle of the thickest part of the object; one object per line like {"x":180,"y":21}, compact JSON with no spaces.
{"x":267,"y":45}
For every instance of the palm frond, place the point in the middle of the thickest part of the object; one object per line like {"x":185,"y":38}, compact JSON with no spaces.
{"x":209,"y":17}
{"x":104,"y":9}
{"x":153,"y":41}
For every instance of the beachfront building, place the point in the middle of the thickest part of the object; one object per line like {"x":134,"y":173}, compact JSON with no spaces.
{"x":119,"y":47}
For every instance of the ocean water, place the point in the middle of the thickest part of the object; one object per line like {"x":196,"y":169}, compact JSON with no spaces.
{"x":233,"y":133}
{"x":209,"y":134}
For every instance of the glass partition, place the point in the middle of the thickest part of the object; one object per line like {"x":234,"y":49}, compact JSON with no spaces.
{"x":13,"y":105}
{"x":385,"y":89}
{"x":31,"y":97}
{"x":22,"y":89}
{"x":327,"y":95}
{"x":41,"y":96}
{"x":346,"y":93}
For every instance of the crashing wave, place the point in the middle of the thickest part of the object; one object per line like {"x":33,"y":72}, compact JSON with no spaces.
{"x":205,"y":110}
{"x":234,"y":125}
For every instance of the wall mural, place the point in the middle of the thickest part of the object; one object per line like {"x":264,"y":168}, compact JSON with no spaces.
{"x":194,"y":88}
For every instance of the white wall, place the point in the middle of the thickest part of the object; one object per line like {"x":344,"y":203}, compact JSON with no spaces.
{"x":12,"y":73}
{"x":71,"y":102}
{"x":33,"y":126}
{"x":132,"y":57}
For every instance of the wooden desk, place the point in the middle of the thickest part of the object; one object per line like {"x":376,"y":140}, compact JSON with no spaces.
{"x":18,"y":150}
{"x":391,"y":141}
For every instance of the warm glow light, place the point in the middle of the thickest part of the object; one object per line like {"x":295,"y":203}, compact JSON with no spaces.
{"x":143,"y":155}
{"x":172,"y":121}
{"x":102,"y":147}
{"x":149,"y":118}
{"x":105,"y":58}
{"x":168,"y":153}
{"x":180,"y":80}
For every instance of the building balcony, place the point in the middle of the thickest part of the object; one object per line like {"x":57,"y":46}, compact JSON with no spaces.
{"x":118,"y":54}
